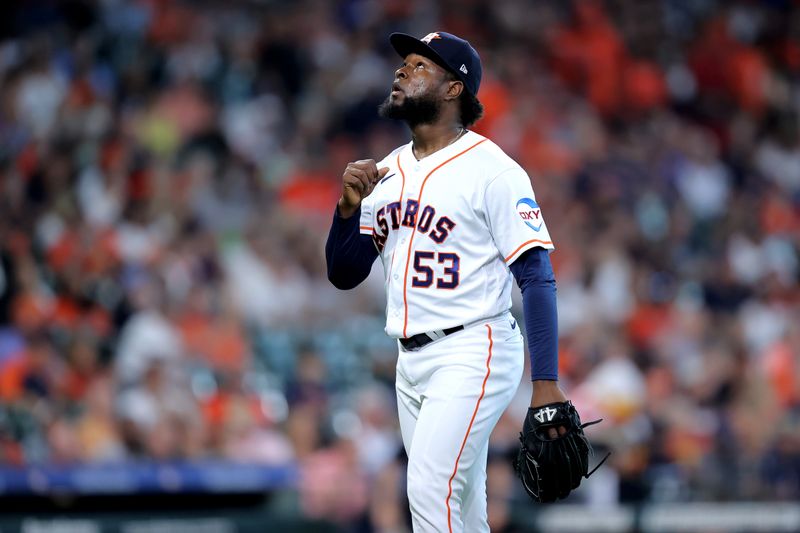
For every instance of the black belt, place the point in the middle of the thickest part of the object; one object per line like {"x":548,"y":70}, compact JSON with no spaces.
{"x":415,"y":342}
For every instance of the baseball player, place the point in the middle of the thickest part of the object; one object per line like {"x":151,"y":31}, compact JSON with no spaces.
{"x":451,"y":218}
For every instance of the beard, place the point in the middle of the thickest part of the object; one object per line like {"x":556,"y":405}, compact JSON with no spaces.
{"x":423,"y":109}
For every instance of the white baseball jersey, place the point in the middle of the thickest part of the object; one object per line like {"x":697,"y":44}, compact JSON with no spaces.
{"x":446,"y":227}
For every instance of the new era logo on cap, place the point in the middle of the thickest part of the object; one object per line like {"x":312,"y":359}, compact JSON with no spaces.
{"x":449,"y":51}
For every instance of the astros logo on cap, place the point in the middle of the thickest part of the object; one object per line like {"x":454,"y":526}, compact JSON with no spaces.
{"x":431,"y":36}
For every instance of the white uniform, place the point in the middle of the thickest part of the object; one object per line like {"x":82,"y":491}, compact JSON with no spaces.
{"x":447,"y":227}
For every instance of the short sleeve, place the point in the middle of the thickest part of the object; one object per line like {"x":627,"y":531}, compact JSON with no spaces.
{"x":515,"y":219}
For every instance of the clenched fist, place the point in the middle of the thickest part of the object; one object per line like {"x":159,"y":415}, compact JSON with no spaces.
{"x":358,"y":181}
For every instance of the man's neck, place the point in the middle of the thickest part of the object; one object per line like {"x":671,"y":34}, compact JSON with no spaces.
{"x":430,"y":138}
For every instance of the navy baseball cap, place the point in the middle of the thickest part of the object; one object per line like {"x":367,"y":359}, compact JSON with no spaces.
{"x":450,"y":52}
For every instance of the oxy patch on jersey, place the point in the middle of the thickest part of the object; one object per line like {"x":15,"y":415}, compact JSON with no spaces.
{"x":394,"y":215}
{"x":530,"y":213}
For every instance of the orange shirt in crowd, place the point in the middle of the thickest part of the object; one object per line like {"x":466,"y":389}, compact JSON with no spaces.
{"x":218,"y":342}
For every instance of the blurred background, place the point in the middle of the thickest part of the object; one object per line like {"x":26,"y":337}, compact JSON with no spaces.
{"x":172,"y":357}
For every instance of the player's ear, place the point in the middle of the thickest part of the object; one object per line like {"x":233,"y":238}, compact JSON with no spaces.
{"x":454,"y":89}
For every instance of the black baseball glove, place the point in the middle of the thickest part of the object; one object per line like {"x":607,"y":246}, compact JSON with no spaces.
{"x":551,"y":468}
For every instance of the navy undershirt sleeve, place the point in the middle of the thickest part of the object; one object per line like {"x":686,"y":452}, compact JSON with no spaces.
{"x":534,"y":274}
{"x":349,"y":254}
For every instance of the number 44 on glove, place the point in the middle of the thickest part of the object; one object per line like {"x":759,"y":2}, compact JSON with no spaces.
{"x":551,"y":468}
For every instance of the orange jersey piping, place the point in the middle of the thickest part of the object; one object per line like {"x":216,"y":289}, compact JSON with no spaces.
{"x":523,"y":245}
{"x":414,"y":231}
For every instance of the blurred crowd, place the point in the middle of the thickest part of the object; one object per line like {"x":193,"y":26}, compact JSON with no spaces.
{"x":168,"y":171}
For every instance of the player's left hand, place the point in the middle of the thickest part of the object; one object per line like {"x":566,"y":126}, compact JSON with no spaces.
{"x":551,"y":468}
{"x":554,"y":452}
{"x":544,"y":392}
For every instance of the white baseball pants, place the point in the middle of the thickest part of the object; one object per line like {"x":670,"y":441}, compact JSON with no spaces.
{"x":450,"y":395}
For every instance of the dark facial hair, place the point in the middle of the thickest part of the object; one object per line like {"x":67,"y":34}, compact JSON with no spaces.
{"x":416,"y":110}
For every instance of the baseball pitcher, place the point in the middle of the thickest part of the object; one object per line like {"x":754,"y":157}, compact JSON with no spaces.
{"x":452,"y":218}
